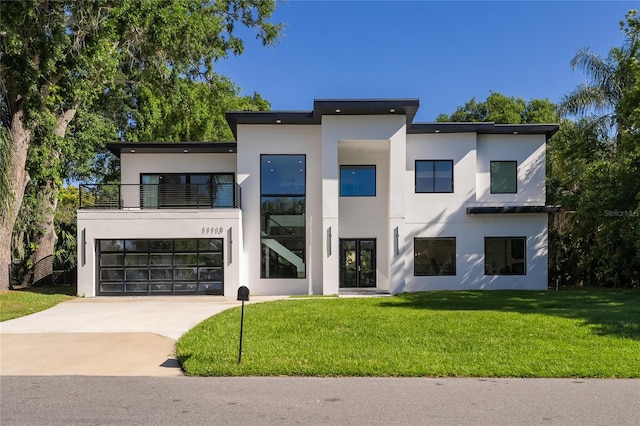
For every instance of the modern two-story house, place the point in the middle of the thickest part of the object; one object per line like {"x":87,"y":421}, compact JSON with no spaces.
{"x":350,"y":195}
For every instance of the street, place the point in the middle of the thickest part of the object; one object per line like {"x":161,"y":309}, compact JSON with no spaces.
{"x":86,"y":400}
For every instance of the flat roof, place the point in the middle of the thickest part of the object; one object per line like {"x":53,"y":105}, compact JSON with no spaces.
{"x":485,"y":128}
{"x":118,"y":148}
{"x":407,"y":107}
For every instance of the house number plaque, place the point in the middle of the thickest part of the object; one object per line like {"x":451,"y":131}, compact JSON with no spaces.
{"x":212,"y":230}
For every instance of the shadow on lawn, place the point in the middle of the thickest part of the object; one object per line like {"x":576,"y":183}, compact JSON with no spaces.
{"x":608,"y":311}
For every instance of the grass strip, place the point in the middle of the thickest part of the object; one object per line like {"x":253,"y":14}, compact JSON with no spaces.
{"x":18,"y":303}
{"x":573,"y":333}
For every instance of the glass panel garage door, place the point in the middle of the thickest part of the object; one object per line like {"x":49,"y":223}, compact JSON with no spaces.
{"x":149,"y":267}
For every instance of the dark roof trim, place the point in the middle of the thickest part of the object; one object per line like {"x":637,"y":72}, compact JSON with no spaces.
{"x":269,"y":117}
{"x":117,"y":148}
{"x":406,"y":107}
{"x":485,"y":128}
{"x":457,"y":127}
{"x":513,"y":209}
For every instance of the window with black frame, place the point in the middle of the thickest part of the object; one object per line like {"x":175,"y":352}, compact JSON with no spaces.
{"x":434,"y":176}
{"x":194,"y":190}
{"x":434,"y":256}
{"x":504,"y":177}
{"x":358,"y":181}
{"x":282,"y":216}
{"x":505,"y":256}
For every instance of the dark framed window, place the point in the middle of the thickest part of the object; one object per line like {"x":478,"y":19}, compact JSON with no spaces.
{"x":504,"y":177}
{"x":505,"y":256}
{"x":434,"y":256}
{"x":358,"y":181}
{"x":282,"y":216}
{"x":177,"y":190}
{"x":434,"y":176}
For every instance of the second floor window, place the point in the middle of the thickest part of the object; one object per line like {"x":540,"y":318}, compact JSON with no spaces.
{"x":358,"y":181}
{"x":434,"y":176}
{"x":504,"y":177}
{"x":195,"y":190}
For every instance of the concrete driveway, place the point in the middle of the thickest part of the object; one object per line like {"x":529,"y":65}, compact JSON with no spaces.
{"x":106,"y":336}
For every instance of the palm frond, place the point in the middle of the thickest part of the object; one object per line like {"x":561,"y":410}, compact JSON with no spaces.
{"x":584,"y":99}
{"x":598,"y":70}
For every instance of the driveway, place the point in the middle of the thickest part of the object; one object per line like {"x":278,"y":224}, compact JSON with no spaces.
{"x":106,"y":336}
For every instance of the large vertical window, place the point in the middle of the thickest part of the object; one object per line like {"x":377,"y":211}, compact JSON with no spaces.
{"x":504,"y":177}
{"x":434,"y":175}
{"x":434,"y":256}
{"x":358,"y":181}
{"x":505,"y":256}
{"x":282,"y":216}
{"x":174,"y":190}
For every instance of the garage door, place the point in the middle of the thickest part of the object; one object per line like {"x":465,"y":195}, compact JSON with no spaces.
{"x":149,"y":267}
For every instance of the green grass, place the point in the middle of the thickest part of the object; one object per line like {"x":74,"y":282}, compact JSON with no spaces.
{"x":18,"y":303}
{"x":572,"y":333}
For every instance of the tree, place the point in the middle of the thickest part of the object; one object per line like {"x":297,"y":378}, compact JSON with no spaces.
{"x":595,"y":176}
{"x":609,"y":79}
{"x":185,"y":110}
{"x":62,"y":57}
{"x":499,"y":108}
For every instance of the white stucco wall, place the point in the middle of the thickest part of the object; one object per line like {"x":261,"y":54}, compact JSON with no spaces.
{"x":254,"y":140}
{"x":529,"y":152}
{"x":132,"y":165}
{"x":470,"y":236}
{"x":367,"y":217}
{"x":444,"y":215}
{"x":396,"y":210}
{"x":379,"y":140}
{"x":162,"y":224}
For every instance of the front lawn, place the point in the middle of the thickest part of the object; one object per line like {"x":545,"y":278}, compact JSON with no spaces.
{"x":18,"y":303}
{"x":571,"y":333}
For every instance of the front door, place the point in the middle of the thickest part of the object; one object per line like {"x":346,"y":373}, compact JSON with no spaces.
{"x":357,"y":262}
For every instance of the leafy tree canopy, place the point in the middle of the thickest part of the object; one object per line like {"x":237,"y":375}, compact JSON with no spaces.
{"x":503,"y":109}
{"x":78,"y":72}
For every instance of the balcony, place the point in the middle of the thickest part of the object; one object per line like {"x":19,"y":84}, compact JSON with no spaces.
{"x":159,"y":196}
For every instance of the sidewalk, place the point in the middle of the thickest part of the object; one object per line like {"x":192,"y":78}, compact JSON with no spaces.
{"x":106,"y":336}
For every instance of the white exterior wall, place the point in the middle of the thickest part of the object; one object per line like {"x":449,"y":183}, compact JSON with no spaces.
{"x":254,"y":140}
{"x":367,"y":217}
{"x":165,"y":224}
{"x":379,"y":140}
{"x":394,"y":217}
{"x":132,"y":165}
{"x":444,"y":215}
{"x":529,"y":152}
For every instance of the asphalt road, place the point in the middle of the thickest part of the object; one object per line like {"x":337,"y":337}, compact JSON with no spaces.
{"x":84,"y":400}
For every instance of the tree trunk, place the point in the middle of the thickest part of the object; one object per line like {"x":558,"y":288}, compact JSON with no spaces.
{"x":42,"y":257}
{"x":18,"y":180}
{"x":47,"y":203}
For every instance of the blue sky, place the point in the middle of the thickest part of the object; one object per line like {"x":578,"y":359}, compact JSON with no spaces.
{"x":443,"y":53}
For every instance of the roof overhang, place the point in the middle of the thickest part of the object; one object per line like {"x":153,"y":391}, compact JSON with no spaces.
{"x":485,"y":128}
{"x":406,"y":107}
{"x":513,"y":209}
{"x":118,"y":148}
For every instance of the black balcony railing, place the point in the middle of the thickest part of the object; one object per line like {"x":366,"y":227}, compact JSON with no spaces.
{"x":160,"y":196}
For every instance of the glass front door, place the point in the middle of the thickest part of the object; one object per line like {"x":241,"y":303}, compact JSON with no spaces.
{"x":357,"y":263}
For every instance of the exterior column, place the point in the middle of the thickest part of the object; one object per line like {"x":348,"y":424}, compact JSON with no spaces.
{"x":330,"y":209}
{"x":398,"y":242}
